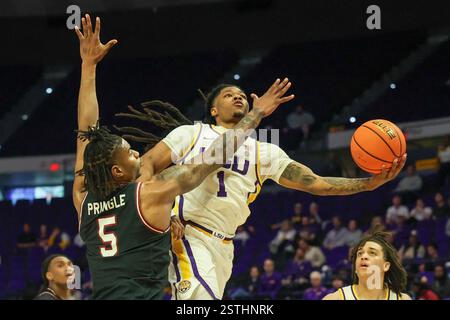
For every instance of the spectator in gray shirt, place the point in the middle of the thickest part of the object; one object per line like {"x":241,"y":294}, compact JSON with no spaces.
{"x":313,"y":254}
{"x":336,"y":237}
{"x":299,"y":122}
{"x":354,"y":234}
{"x":396,"y":211}
{"x":410,"y":185}
{"x":420,"y":211}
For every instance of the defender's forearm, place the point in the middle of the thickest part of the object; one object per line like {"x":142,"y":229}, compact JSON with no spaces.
{"x":190,"y":176}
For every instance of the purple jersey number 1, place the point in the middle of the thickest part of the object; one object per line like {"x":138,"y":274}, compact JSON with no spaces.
{"x":221,"y":177}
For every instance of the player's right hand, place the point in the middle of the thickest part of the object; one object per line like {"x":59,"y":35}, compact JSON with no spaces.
{"x":387,"y":175}
{"x":92,"y":50}
{"x":273,"y":97}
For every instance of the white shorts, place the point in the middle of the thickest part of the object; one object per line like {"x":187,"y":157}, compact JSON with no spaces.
{"x":201,"y":265}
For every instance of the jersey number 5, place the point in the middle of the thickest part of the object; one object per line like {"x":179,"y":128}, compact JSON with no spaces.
{"x":109,"y":239}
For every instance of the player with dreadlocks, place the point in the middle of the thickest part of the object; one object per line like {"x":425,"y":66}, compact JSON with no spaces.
{"x":377,"y":272}
{"x":124,"y":216}
{"x":202,"y":260}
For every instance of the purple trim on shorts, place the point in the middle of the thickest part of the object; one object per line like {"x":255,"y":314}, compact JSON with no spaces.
{"x":175,"y":264}
{"x":177,"y":272}
{"x":180,"y":208}
{"x":195,"y":270}
{"x":176,"y":296}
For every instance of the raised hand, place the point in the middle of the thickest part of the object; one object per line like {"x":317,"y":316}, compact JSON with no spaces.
{"x":92,"y":50}
{"x":273,"y":97}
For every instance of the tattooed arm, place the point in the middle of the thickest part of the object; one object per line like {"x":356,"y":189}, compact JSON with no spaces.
{"x":299,"y":177}
{"x":188,"y":176}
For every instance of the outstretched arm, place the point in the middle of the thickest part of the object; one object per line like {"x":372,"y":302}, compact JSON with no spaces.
{"x":299,"y":177}
{"x":92,"y":52}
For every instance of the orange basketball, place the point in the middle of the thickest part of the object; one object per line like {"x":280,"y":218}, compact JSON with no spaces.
{"x":376,"y":143}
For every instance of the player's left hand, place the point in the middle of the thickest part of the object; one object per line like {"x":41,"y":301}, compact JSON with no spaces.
{"x":177,"y":228}
{"x":387,"y":175}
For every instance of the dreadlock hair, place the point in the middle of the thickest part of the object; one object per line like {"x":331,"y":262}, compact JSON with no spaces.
{"x":396,"y":277}
{"x":209,"y":101}
{"x":162,"y":115}
{"x":44,"y":268}
{"x":98,"y":160}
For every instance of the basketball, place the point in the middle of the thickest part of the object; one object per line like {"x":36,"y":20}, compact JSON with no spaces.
{"x":376,"y":143}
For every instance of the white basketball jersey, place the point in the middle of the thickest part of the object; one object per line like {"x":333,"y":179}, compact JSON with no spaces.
{"x":221,"y":201}
{"x":349,"y":293}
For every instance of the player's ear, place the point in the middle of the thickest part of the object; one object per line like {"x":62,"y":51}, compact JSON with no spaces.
{"x":49,"y":276}
{"x":213,"y":111}
{"x":386,"y":266}
{"x":117,"y":171}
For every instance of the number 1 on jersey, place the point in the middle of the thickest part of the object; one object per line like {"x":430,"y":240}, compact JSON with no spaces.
{"x":221,"y":177}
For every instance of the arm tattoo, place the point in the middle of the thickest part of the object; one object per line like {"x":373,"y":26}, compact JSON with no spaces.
{"x":344,"y":186}
{"x":189,"y":176}
{"x":306,"y":180}
{"x":296,"y":173}
{"x":170,"y":173}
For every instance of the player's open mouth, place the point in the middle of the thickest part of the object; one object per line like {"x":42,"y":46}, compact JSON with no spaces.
{"x":364,"y":265}
{"x":238,"y":104}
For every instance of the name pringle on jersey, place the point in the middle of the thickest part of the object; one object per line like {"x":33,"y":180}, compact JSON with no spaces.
{"x":113,"y":203}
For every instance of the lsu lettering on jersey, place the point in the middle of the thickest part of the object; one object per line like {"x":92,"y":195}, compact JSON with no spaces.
{"x":221,"y":201}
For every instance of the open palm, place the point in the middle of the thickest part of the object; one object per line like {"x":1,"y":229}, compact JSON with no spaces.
{"x":91,"y":49}
{"x":273,"y":97}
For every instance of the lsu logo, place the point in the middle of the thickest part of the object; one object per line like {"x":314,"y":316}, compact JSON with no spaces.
{"x":184,"y":286}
